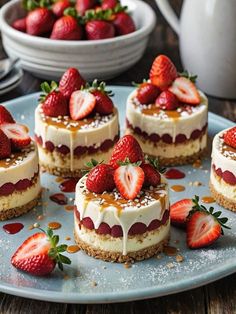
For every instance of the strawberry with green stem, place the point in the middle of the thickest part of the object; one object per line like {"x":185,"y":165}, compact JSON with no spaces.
{"x":146,"y":92}
{"x":122,"y":21}
{"x":104,"y":104}
{"x":152,"y":172}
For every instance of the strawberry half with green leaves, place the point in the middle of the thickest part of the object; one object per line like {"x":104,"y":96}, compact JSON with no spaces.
{"x":185,"y":90}
{"x":104,"y":104}
{"x":163,"y":72}
{"x":67,"y":28}
{"x":147,"y":93}
{"x":39,"y":21}
{"x":179,"y":212}
{"x":126,"y":147}
{"x":71,"y":81}
{"x":100,"y":179}
{"x":129,"y":178}
{"x":39,"y":254}
{"x":53,"y":102}
{"x":204,"y":226}
{"x":17,"y":133}
{"x":5,"y":116}
{"x":230,"y":137}
{"x":82,"y":103}
{"x":5,"y":145}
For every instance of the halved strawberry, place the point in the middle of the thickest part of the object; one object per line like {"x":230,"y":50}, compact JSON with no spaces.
{"x":129,"y":180}
{"x":163,"y":72}
{"x":179,"y":212}
{"x":230,"y":137}
{"x":152,"y":176}
{"x":185,"y":91}
{"x":147,"y":93}
{"x":82,"y":104}
{"x":100,"y":179}
{"x":5,"y":145}
{"x":39,"y":254}
{"x":5,"y":116}
{"x":17,"y":133}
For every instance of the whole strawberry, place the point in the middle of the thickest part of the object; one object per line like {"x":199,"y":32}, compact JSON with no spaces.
{"x":70,"y":81}
{"x":5,"y":145}
{"x":123,"y":23}
{"x":126,"y":148}
{"x":98,"y":29}
{"x":104,"y":104}
{"x":39,"y":21}
{"x":20,"y":24}
{"x":5,"y":116}
{"x":230,"y":137}
{"x":39,"y":254}
{"x":147,"y":93}
{"x":59,"y":7}
{"x":67,"y":28}
{"x":100,"y":179}
{"x":83,"y":5}
{"x":109,"y":4}
{"x":167,"y":101}
{"x":152,"y":176}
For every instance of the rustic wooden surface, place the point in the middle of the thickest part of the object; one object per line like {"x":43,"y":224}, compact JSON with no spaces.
{"x":218,"y":297}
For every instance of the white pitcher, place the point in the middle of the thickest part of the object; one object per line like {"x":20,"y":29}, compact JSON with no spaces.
{"x":207,"y":36}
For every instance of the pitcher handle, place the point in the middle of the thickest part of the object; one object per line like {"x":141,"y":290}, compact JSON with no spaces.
{"x":169,"y":14}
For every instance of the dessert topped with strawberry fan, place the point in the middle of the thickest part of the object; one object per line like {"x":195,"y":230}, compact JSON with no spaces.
{"x":74,"y":122}
{"x":19,"y":170}
{"x":168,"y":114}
{"x":122,"y":207}
{"x":79,"y":20}
{"x":223,"y":170}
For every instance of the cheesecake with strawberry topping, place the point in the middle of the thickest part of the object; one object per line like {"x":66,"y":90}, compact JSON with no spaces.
{"x":19,"y":168}
{"x":122,"y":208}
{"x":74,"y":123}
{"x":223,"y":168}
{"x":168,"y":115}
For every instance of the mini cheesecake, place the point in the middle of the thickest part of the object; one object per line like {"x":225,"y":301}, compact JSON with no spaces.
{"x":223,"y":171}
{"x":172,"y":125}
{"x":20,"y":187}
{"x":74,"y":124}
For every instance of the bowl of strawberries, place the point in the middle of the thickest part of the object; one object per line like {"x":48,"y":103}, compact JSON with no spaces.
{"x":102,"y":38}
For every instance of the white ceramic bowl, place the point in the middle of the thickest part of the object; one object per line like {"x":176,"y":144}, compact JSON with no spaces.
{"x":102,"y":59}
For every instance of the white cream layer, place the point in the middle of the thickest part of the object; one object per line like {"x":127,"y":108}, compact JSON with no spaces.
{"x":183,"y":125}
{"x":172,"y":151}
{"x":222,"y":187}
{"x":218,"y":159}
{"x":23,"y":170}
{"x":111,"y":244}
{"x":72,"y":139}
{"x":20,"y":198}
{"x":112,"y":216}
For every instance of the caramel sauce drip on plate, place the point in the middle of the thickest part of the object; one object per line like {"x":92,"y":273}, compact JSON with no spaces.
{"x":177,"y":188}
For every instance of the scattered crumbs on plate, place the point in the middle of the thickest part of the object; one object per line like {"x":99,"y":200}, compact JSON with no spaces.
{"x":179,"y":258}
{"x":170,"y":265}
{"x":93,"y":283}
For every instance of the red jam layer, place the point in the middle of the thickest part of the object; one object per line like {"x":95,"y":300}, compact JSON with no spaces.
{"x":116,"y":231}
{"x":22,"y":185}
{"x":79,"y":150}
{"x":227,"y":176}
{"x":166,"y":138}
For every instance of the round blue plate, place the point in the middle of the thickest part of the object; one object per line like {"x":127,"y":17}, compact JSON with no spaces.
{"x":114,"y":282}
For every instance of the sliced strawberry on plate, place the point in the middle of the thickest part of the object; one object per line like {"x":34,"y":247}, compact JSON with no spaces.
{"x":167,"y":101}
{"x":185,"y":91}
{"x":129,"y":180}
{"x":39,"y":254}
{"x":163,"y":72}
{"x":17,"y":133}
{"x":55,"y":104}
{"x":70,"y":81}
{"x":229,"y":137}
{"x":82,"y":103}
{"x":152,"y":176}
{"x":204,"y":226}
{"x":5,"y":145}
{"x":5,"y":116}
{"x":20,"y":24}
{"x":100,"y":179}
{"x":179,"y":212}
{"x":126,"y":148}
{"x":147,"y":93}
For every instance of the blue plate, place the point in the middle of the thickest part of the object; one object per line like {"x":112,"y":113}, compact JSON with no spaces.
{"x":115,"y":283}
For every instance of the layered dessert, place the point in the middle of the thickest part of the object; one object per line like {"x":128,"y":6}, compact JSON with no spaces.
{"x":19,"y":168}
{"x":74,"y":123}
{"x":168,"y":115}
{"x":223,"y":168}
{"x":122,"y":208}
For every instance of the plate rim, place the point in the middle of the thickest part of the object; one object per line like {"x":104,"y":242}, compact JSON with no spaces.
{"x":130,"y":295}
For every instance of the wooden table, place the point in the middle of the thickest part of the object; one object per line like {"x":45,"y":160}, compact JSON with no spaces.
{"x":218,"y":297}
